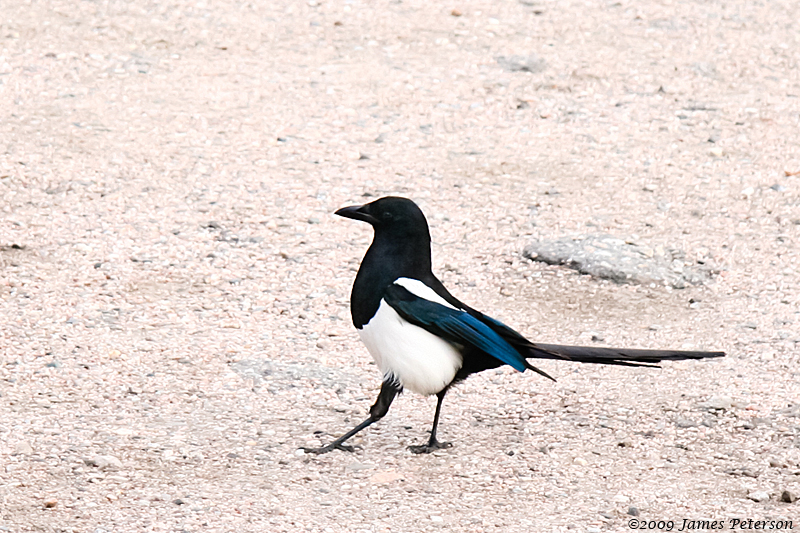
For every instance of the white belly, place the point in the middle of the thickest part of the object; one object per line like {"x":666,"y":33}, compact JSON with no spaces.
{"x":418,"y":360}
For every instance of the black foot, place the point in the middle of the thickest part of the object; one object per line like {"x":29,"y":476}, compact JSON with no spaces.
{"x":430,"y":447}
{"x":329,"y":448}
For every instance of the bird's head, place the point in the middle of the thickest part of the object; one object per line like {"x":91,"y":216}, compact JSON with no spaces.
{"x":389,"y":215}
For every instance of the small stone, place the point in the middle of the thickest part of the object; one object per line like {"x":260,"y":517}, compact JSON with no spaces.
{"x":324,"y":344}
{"x":633,"y":511}
{"x":517,"y":63}
{"x":718,"y":402}
{"x":23,"y":448}
{"x":743,"y":471}
{"x":758,"y":496}
{"x":774,"y":463}
{"x":456,"y":13}
{"x":178,"y":501}
{"x":580,"y":461}
{"x":788,"y":497}
{"x":625,"y":444}
{"x":685,"y":423}
{"x":49,"y":503}
{"x":103,"y":462}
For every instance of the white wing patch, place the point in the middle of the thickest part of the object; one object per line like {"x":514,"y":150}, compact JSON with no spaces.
{"x":420,"y":290}
{"x":418,"y":360}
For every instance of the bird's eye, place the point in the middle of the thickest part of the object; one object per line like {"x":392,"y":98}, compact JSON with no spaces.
{"x":387,"y":216}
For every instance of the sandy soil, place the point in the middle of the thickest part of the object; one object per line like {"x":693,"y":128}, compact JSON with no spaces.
{"x":174,"y":287}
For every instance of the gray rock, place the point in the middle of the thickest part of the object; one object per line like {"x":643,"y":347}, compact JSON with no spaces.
{"x":788,"y":497}
{"x":685,"y":423}
{"x":516,"y":63}
{"x":356,"y":466}
{"x":718,"y":403}
{"x":103,"y":462}
{"x":758,"y":496}
{"x":633,"y":511}
{"x":23,"y":448}
{"x":621,"y":261}
{"x":743,"y":471}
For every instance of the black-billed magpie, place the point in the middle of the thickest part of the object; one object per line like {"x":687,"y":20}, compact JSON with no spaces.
{"x":423,"y":338}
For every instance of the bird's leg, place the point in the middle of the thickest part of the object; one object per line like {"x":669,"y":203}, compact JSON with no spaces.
{"x":389,"y":390}
{"x":433,"y":444}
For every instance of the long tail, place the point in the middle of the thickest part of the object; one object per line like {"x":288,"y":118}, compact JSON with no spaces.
{"x":612,"y":356}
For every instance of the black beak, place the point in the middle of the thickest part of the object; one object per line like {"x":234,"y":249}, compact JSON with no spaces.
{"x":356,"y":212}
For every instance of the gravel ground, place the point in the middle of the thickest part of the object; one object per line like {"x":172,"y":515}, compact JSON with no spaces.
{"x":174,"y":287}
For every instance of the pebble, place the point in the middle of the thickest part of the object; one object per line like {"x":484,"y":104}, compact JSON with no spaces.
{"x":103,"y":462}
{"x":718,"y":402}
{"x":49,"y":503}
{"x":788,"y":497}
{"x":23,"y":448}
{"x":517,"y":63}
{"x":758,"y":496}
{"x":633,"y":511}
{"x":746,"y":472}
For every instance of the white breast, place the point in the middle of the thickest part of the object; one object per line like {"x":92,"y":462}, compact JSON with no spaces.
{"x":418,"y":360}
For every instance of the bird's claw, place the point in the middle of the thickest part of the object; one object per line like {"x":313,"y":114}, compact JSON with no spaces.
{"x":329,"y":448}
{"x":430,"y":447}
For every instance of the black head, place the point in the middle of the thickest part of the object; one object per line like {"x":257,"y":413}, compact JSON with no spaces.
{"x":390,"y":215}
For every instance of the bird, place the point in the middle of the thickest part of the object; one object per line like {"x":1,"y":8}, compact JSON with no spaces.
{"x":423,"y":338}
